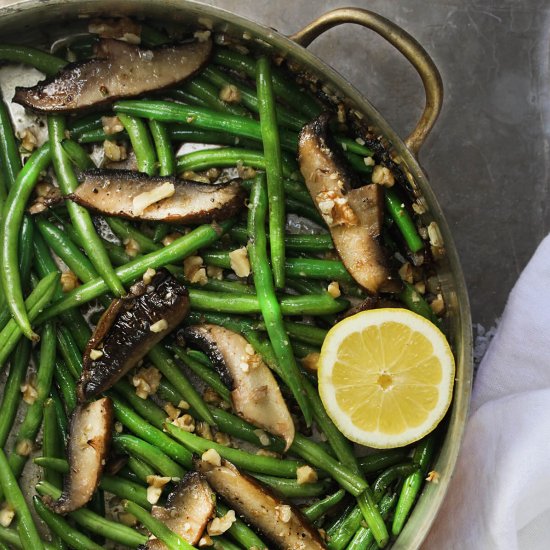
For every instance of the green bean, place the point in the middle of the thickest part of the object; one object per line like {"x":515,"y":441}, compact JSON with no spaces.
{"x":204,"y":373}
{"x":134,"y":446}
{"x":135,"y":423}
{"x":241,"y":459}
{"x":273,"y":169}
{"x":222,"y":544}
{"x":69,"y":351}
{"x":342,"y":531}
{"x":364,"y":536}
{"x":62,"y":422}
{"x":125,"y":230}
{"x":371,"y":513}
{"x":26,"y":250}
{"x":78,"y":156}
{"x":188,"y":134}
{"x":271,"y":309}
{"x":95,"y":523}
{"x":144,"y":407}
{"x":159,"y":529}
{"x":285,"y":88}
{"x":403,"y":220}
{"x":310,"y":268}
{"x":58,"y":465}
{"x":414,"y":301}
{"x":387,"y":477}
{"x":85,"y":124}
{"x":13,"y":495}
{"x":422,"y":456}
{"x":99,"y":135}
{"x":227,"y":157}
{"x":286,"y":118}
{"x":140,"y":469}
{"x":205,"y":91}
{"x":13,"y":217}
{"x":141,"y":143}
{"x":318,"y":509}
{"x":151,"y":37}
{"x":57,"y":240}
{"x":203,"y":235}
{"x":63,"y":529}
{"x":66,"y":384}
{"x":290,"y":488}
{"x":80,"y":217}
{"x":10,"y":159}
{"x":11,"y":537}
{"x":186,"y":97}
{"x":226,"y":286}
{"x":32,"y":420}
{"x":305,"y":211}
{"x":35,"y":303}
{"x":239,"y":531}
{"x":44,"y":62}
{"x":165,"y":153}
{"x":172,"y":372}
{"x":378,"y":461}
{"x":12,"y":389}
{"x":295,"y":243}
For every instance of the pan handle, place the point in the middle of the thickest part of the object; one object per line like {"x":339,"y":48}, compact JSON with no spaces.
{"x":402,"y":41}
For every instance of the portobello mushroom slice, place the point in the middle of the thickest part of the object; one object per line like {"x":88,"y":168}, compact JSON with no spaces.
{"x":88,"y":448}
{"x":119,"y":70}
{"x":279,"y":521}
{"x":353,"y":213}
{"x":128,"y":330}
{"x":189,"y":507}
{"x":137,"y":196}
{"x":255,"y":396}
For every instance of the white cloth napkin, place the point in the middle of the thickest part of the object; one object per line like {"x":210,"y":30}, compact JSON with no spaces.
{"x":499,"y":497}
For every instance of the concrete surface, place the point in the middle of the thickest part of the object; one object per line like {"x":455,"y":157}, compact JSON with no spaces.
{"x":488,"y":158}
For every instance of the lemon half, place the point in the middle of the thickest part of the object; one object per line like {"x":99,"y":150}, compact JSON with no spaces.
{"x":386,"y":377}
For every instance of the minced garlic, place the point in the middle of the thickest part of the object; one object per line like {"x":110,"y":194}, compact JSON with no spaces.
{"x":148,"y":275}
{"x":7,"y":513}
{"x":334,"y":289}
{"x":155,"y":486}
{"x":159,"y":326}
{"x":306,"y":474}
{"x":283,"y":513}
{"x":382,"y":175}
{"x":114,"y":152}
{"x":95,"y":354}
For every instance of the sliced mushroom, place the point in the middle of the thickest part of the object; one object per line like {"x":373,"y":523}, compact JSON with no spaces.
{"x":136,"y":196}
{"x":353,"y":215}
{"x":255,"y":395}
{"x":119,"y":70}
{"x":128,"y":329}
{"x":189,"y":507}
{"x":279,"y":521}
{"x":88,"y":448}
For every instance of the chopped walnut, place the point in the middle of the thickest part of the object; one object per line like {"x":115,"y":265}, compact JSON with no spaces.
{"x":183,"y":405}
{"x":114,"y":152}
{"x":148,"y":275}
{"x":131,"y":247}
{"x":119,"y":427}
{"x":266,"y":452}
{"x":369,"y":161}
{"x":306,"y":474}
{"x":382,"y":175}
{"x":185,"y":422}
{"x":170,"y":238}
{"x":214,"y":272}
{"x":69,"y":281}
{"x":203,"y":429}
{"x":29,"y":391}
{"x":159,"y":326}
{"x":406,"y":273}
{"x":418,"y":207}
{"x":211,"y":456}
{"x":146,"y":381}
{"x":230,"y":94}
{"x":433,"y":477}
{"x":311,"y":361}
{"x":7,"y":513}
{"x":335,"y":208}
{"x":245,"y":172}
{"x":434,"y":234}
{"x":420,"y":287}
{"x":155,"y":486}
{"x":171,"y":411}
{"x":95,"y":354}
{"x":239,"y":262}
{"x":194,"y":271}
{"x":334,"y":289}
{"x":28,"y":140}
{"x":144,"y":200}
{"x":219,"y":526}
{"x":438,"y":304}
{"x":341,"y":113}
{"x":124,"y":29}
{"x":283,"y":513}
{"x":194,"y":176}
{"x":127,"y":519}
{"x":211,"y":396}
{"x":205,"y":540}
{"x":263,"y":437}
{"x":202,"y":36}
{"x":24,"y":447}
{"x":223,"y":439}
{"x":111,"y":125}
{"x":213,"y":174}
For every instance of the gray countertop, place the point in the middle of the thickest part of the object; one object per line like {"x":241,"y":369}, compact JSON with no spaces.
{"x":488,"y":158}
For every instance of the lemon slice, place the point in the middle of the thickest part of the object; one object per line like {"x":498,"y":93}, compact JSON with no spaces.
{"x":386,"y":377}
